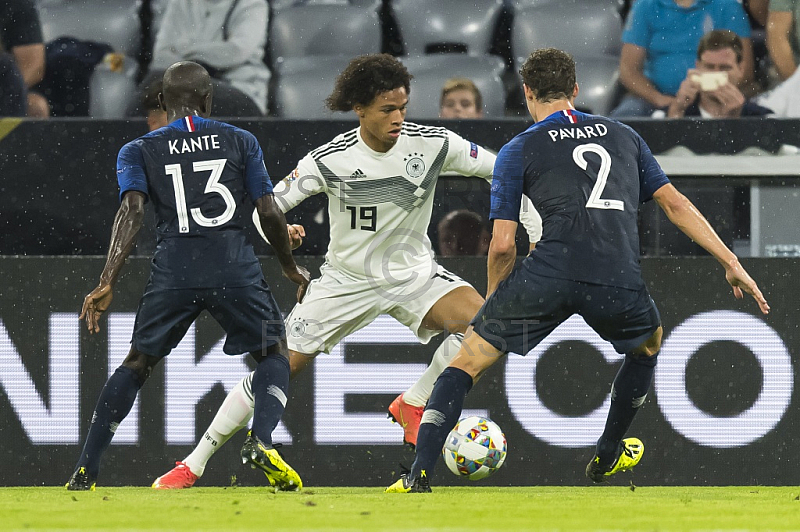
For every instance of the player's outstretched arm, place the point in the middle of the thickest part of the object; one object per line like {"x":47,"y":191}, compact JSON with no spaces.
{"x":275,"y":230}
{"x":127,"y":223}
{"x":688,"y":219}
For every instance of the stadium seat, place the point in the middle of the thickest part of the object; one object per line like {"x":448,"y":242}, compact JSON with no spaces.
{"x":598,"y":80}
{"x":431,"y":71}
{"x":580,"y":27}
{"x":113,"y":22}
{"x":595,"y":46}
{"x":426,"y":26}
{"x":277,"y":5}
{"x":316,"y":29}
{"x":523,"y":4}
{"x":303,"y":83}
{"x":111,"y":92}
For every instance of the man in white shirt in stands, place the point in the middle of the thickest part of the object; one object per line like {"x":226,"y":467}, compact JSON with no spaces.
{"x":784,"y":100}
{"x":380,"y":179}
{"x":228,"y":38}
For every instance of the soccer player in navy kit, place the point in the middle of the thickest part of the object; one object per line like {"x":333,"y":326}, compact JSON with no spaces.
{"x":586,"y":175}
{"x":203,"y":177}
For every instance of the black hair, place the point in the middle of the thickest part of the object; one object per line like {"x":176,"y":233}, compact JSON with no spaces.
{"x":365,"y":78}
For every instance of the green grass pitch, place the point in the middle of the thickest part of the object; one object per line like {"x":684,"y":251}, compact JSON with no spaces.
{"x":463,"y":508}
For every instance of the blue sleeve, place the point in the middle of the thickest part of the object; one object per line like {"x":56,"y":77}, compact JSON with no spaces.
{"x":735,"y":19}
{"x":507,"y":182}
{"x":130,"y":170}
{"x":637,"y":30}
{"x":651,"y":176}
{"x":256,"y":178}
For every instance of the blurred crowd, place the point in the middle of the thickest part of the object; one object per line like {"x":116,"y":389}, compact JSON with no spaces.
{"x":709,"y":58}
{"x":668,"y":58}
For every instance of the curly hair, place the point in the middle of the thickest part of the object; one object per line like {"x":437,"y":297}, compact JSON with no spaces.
{"x":364,"y":78}
{"x":550,"y":74}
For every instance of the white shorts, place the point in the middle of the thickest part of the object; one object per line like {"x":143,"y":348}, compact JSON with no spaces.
{"x":337,"y":305}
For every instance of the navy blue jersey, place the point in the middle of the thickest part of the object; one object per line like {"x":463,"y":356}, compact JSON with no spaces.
{"x":586,"y":175}
{"x":203,"y":178}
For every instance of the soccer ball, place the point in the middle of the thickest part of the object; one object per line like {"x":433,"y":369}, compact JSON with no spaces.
{"x":475,"y":449}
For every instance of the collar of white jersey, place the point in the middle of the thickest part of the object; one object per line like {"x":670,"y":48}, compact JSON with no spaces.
{"x":373,"y":152}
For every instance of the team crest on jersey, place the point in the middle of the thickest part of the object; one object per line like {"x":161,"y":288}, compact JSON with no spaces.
{"x":415,"y":166}
{"x":297,"y":329}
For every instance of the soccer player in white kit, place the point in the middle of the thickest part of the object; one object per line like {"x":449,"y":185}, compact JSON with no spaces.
{"x":380,"y":180}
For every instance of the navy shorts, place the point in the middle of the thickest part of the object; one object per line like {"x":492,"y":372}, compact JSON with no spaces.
{"x":248,"y":314}
{"x":526,"y":307}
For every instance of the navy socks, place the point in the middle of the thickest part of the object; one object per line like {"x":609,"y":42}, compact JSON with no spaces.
{"x":270,"y":388}
{"x":441,"y":415}
{"x":627,"y":394}
{"x":114,"y":403}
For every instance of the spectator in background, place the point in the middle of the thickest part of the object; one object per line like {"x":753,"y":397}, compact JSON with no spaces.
{"x":460,"y":99}
{"x":21,"y":60}
{"x":783,"y":35}
{"x":228,"y":38}
{"x":660,"y":43}
{"x":784,"y":100}
{"x":757,"y":14}
{"x":71,"y":63}
{"x":711,"y":88}
{"x":462,"y":233}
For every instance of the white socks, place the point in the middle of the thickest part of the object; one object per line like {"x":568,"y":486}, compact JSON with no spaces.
{"x":235,"y":412}
{"x":237,"y":409}
{"x":419,"y":393}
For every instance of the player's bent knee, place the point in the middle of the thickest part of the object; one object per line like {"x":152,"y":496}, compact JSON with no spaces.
{"x":278,"y":348}
{"x":454,"y":311}
{"x":299,"y":361}
{"x":141,"y":364}
{"x":652,"y":345}
{"x":475,"y":356}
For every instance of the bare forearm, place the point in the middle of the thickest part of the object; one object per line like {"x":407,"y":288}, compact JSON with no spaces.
{"x":677,"y":109}
{"x":639,"y":85}
{"x":694,"y":225}
{"x":748,"y":64}
{"x":33,"y":75}
{"x":221,"y":55}
{"x":500,"y":264}
{"x":779,"y":35}
{"x":274,"y":225}
{"x":30,"y":60}
{"x":127,"y":223}
{"x":783,"y":58}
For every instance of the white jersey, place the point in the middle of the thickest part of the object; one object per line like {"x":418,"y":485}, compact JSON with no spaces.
{"x":380,"y":203}
{"x":784,"y":100}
